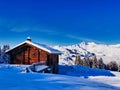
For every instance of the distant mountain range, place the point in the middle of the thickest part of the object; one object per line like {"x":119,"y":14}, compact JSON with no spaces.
{"x":106,"y":52}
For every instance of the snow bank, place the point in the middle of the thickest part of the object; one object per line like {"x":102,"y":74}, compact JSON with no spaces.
{"x":12,"y":79}
{"x":83,"y":71}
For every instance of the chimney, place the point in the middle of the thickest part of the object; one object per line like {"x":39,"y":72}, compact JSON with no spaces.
{"x":29,"y":39}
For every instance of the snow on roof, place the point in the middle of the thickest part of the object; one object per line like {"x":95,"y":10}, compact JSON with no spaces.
{"x":40,"y":46}
{"x":28,"y":38}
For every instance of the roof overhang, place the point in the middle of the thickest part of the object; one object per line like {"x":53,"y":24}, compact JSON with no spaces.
{"x":40,"y":46}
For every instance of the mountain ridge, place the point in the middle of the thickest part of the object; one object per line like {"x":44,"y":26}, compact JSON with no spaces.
{"x":106,"y":52}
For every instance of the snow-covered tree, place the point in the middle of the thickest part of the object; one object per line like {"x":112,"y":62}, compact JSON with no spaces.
{"x":95,"y":63}
{"x":101,"y":64}
{"x":118,"y":68}
{"x":5,"y":48}
{"x":0,"y":55}
{"x":86,"y":62}
{"x":4,"y":58}
{"x":78,"y":60}
{"x":90,"y":62}
{"x":113,"y":66}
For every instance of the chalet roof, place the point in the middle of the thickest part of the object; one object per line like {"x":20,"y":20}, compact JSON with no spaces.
{"x":40,"y":46}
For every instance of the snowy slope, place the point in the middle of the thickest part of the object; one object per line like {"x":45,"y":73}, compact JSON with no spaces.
{"x":108,"y":80}
{"x":82,"y":71}
{"x":94,"y":74}
{"x":11,"y":78}
{"x":106,"y":52}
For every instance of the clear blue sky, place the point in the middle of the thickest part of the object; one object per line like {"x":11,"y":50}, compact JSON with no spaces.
{"x":60,"y":22}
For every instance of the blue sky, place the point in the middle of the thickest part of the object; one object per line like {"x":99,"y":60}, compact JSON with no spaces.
{"x":60,"y":22}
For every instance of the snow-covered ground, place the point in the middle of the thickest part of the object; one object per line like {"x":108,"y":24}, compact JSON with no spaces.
{"x":114,"y":81}
{"x":106,"y":52}
{"x":14,"y":78}
{"x":94,"y":74}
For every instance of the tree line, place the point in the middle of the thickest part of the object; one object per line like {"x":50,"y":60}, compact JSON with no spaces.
{"x":93,"y":62}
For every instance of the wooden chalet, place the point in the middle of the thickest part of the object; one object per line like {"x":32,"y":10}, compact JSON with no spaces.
{"x":30,"y":52}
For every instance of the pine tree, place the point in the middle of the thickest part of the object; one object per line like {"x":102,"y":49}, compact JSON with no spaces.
{"x":4,"y":58}
{"x":118,"y":68}
{"x":78,"y":60}
{"x":0,"y":55}
{"x":95,"y":63}
{"x":5,"y":48}
{"x":100,"y":64}
{"x":86,"y":62}
{"x":91,"y":63}
{"x":107,"y":67}
{"x":113,"y":66}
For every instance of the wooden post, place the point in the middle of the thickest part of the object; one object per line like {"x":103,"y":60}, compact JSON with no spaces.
{"x":48,"y":60}
{"x":38,"y":55}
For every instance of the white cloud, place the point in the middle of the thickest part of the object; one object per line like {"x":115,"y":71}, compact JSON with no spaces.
{"x":15,"y":29}
{"x":36,"y":29}
{"x":82,"y":38}
{"x":21,"y":26}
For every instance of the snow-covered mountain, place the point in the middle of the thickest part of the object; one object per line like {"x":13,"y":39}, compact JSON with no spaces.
{"x":106,"y":52}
